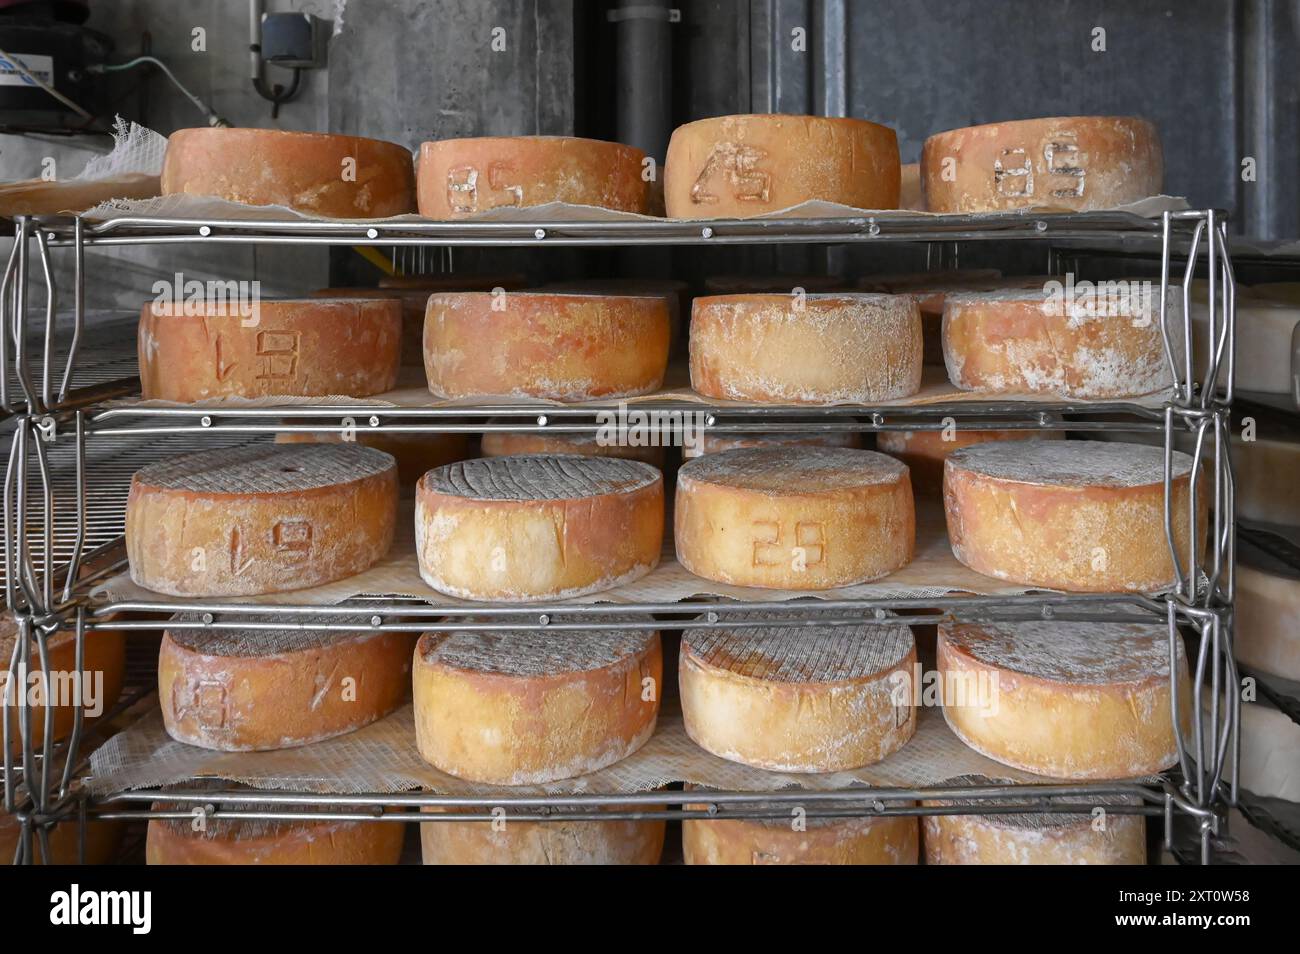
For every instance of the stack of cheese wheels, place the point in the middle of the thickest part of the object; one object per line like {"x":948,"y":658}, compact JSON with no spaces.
{"x":1055,"y":340}
{"x":459,"y":177}
{"x":223,"y":841}
{"x":262,"y":518}
{"x":538,"y":526}
{"x":1085,"y":516}
{"x":888,"y":840}
{"x":803,"y":518}
{"x":522,"y":707}
{"x":1266,"y":620}
{"x":345,"y":177}
{"x":241,"y":690}
{"x":1069,"y":700}
{"x":706,"y":443}
{"x":416,"y":454}
{"x":102,"y":673}
{"x":735,"y":166}
{"x":806,"y":349}
{"x":925,"y":451}
{"x":559,"y":347}
{"x":617,"y":443}
{"x":515,"y":840}
{"x":798,"y":698}
{"x":314,"y":347}
{"x":1065,"y":163}
{"x":1033,"y":838}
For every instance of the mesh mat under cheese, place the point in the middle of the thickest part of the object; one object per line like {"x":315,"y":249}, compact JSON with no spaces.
{"x":382,"y":758}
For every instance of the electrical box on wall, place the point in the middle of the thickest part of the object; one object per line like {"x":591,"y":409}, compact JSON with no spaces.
{"x":295,"y":40}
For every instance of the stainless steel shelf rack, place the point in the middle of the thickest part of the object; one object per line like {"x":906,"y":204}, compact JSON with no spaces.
{"x":70,"y":459}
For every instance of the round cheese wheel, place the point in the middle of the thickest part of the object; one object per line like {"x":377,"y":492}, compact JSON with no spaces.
{"x":543,"y":526}
{"x":416,"y":454}
{"x":925,"y":451}
{"x":735,"y":166}
{"x":887,"y":840}
{"x":1069,"y":700}
{"x":262,"y":518}
{"x":798,"y":698}
{"x":560,"y":347}
{"x":344,"y":177}
{"x":1065,"y":163}
{"x":805,"y":518}
{"x":1033,"y":838}
{"x":1084,"y":516}
{"x":512,"y":840}
{"x":717,"y":443}
{"x":508,"y":444}
{"x":103,"y":839}
{"x":101,"y":678}
{"x":1270,"y":752}
{"x":1264,"y":477}
{"x":1034,"y":340}
{"x":232,"y":842}
{"x":458,"y":177}
{"x":314,"y":347}
{"x":814,"y":349}
{"x":521,"y":707}
{"x":1266,"y":621}
{"x":241,"y":690}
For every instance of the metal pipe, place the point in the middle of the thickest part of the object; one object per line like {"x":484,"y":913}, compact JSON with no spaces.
{"x":643,"y":76}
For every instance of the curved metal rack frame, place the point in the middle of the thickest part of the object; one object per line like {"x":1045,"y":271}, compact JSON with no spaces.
{"x":46,"y":579}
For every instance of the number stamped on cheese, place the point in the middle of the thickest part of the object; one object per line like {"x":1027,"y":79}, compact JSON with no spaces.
{"x":733,"y":166}
{"x":1013,"y":170}
{"x":463,"y":184}
{"x":205,"y":701}
{"x":808,"y":548}
{"x":278,"y":352}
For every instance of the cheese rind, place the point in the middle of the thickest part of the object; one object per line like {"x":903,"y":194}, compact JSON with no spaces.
{"x":1066,"y":163}
{"x":461,"y":177}
{"x":253,"y":690}
{"x":1062,"y":699}
{"x":1064,"y":839}
{"x":925,"y":451}
{"x":1081,"y":516}
{"x":1264,"y":475}
{"x":1037,"y":341}
{"x":805,"y":518}
{"x":815,"y":349}
{"x":841,"y":841}
{"x":518,"y":707}
{"x":798,"y":699}
{"x":736,"y":166}
{"x":347,"y":177}
{"x":512,"y":840}
{"x":508,"y":444}
{"x":174,"y":842}
{"x":560,"y":347}
{"x":543,"y":526}
{"x":416,"y":454}
{"x":308,"y":348}
{"x":1267,"y":621}
{"x":262,"y":518}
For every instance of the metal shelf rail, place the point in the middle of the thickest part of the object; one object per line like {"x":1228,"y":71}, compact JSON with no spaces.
{"x":60,"y":441}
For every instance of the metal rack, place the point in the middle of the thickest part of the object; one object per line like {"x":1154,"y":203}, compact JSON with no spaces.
{"x":64,"y":446}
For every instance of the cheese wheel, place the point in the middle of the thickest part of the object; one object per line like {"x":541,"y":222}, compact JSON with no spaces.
{"x":521,"y":707}
{"x":1033,"y":838}
{"x":736,"y":166}
{"x":314,"y":347}
{"x":512,"y":840}
{"x":557,"y":347}
{"x":96,"y":686}
{"x":1068,"y":700}
{"x":233,"y":842}
{"x":416,"y":454}
{"x":674,"y":293}
{"x":887,"y":840}
{"x":1083,"y":516}
{"x":459,"y":177}
{"x":708,"y":443}
{"x":1065,"y":163}
{"x":1037,"y":341}
{"x":798,"y":698}
{"x":814,"y":349}
{"x":508,"y":444}
{"x":910,"y":194}
{"x":1264,"y":475}
{"x":925,"y":451}
{"x":246,"y":690}
{"x":344,"y":177}
{"x":804,"y":518}
{"x":1266,"y":621}
{"x":1270,"y":752}
{"x":262,"y":518}
{"x":543,"y":526}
